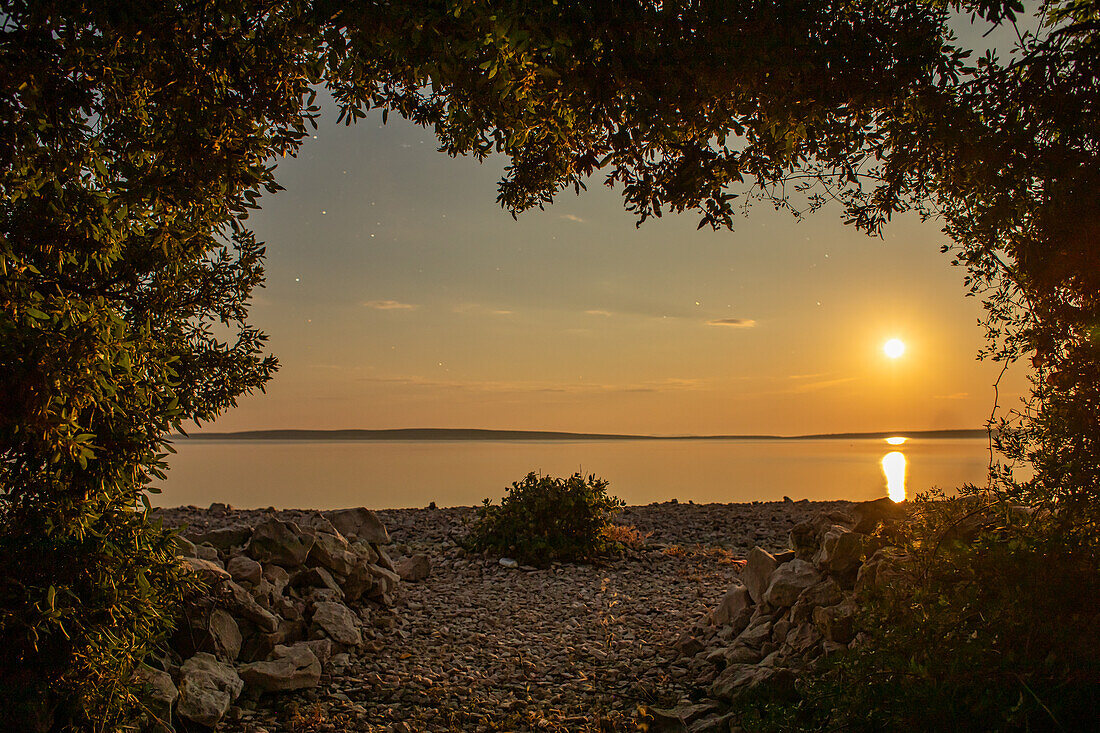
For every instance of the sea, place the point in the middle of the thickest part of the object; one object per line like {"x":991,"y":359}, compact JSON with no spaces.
{"x":392,"y":474}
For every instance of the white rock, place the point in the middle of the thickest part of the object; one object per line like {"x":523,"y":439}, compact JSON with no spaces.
{"x":206,"y":690}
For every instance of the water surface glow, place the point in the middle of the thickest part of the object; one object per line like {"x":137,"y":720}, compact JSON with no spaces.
{"x":893,"y":466}
{"x":896,"y":440}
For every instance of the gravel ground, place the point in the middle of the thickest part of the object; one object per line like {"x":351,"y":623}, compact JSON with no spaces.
{"x":479,"y":647}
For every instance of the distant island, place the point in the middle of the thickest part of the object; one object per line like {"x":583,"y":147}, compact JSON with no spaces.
{"x":479,"y":434}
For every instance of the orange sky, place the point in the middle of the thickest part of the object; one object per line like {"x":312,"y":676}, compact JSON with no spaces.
{"x":400,"y":295}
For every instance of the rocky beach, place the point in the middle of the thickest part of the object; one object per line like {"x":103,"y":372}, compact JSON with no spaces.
{"x":473,"y":642}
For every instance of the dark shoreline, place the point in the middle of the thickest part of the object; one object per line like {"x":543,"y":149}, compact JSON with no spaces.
{"x":454,"y":434}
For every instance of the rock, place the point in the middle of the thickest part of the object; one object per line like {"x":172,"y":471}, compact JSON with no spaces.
{"x":281,"y":543}
{"x":677,"y":719}
{"x":759,"y":566}
{"x":868,"y":515}
{"x":413,"y":569}
{"x":742,"y":654}
{"x":508,"y":562}
{"x":278,"y":577}
{"x":360,"y":523}
{"x":225,"y":635}
{"x":788,"y":581}
{"x":315,"y":578}
{"x":210,"y":573}
{"x":740,"y":678}
{"x":825,"y":593}
{"x":358,"y":582}
{"x":383,"y":559}
{"x":184,"y":547}
{"x":841,"y":551}
{"x":207,"y":687}
{"x":245,"y":569}
{"x":319,"y":524}
{"x":241,"y":603}
{"x":804,"y":639}
{"x":735,"y":609}
{"x":338,"y":622}
{"x":205,"y":628}
{"x":331,"y":551}
{"x":223,"y":538}
{"x":688,"y":646}
{"x":836,"y":623}
{"x":159,"y":693}
{"x":321,"y":648}
{"x":208,"y":553}
{"x":292,"y":668}
{"x":755,"y":636}
{"x":385,"y":581}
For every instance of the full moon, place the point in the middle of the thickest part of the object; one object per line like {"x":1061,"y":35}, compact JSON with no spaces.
{"x":894,"y":348}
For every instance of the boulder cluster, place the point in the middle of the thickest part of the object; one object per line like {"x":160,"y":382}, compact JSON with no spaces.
{"x":788,"y":610}
{"x":284,"y":599}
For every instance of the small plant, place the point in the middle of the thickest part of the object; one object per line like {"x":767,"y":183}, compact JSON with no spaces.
{"x":626,"y":537}
{"x":543,"y":518}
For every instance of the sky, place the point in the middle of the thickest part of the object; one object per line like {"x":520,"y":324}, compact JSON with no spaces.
{"x":399,"y":294}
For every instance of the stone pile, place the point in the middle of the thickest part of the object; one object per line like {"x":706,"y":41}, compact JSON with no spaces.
{"x":284,"y":600}
{"x":787,"y":610}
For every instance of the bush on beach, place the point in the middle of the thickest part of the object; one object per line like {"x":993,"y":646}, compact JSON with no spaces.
{"x":542,"y":519}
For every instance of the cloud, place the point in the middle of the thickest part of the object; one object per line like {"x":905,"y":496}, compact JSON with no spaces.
{"x":597,"y":312}
{"x":388,"y":305}
{"x":477,"y":308}
{"x":733,"y":322}
{"x":662,"y":385}
{"x":571,"y":217}
{"x":823,"y":384}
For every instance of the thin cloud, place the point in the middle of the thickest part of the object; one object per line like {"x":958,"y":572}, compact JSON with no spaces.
{"x":478,"y":308}
{"x":389,"y":305}
{"x":598,"y":313}
{"x":733,"y":322}
{"x":955,"y":396}
{"x":664,"y":385}
{"x":815,"y":386}
{"x":571,"y":217}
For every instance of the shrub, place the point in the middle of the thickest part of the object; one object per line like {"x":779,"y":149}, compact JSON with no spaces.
{"x":543,"y":518}
{"x":989,"y":622}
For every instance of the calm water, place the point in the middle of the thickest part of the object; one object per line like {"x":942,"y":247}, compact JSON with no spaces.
{"x":380,"y":475}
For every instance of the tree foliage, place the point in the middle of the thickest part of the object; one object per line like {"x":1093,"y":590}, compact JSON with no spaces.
{"x":135,"y":137}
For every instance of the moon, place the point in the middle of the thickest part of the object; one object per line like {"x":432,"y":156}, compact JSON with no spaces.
{"x":894,"y":348}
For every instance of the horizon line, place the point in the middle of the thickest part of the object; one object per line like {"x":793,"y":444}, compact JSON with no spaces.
{"x":498,"y":434}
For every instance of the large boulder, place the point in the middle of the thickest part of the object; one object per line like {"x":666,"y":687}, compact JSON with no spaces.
{"x":242,"y":604}
{"x":338,"y":622}
{"x":207,"y":688}
{"x":292,"y":667}
{"x":759,"y":566}
{"x":413,"y":569}
{"x":868,"y":515}
{"x":158,"y":695}
{"x":841,"y":551}
{"x":738,"y":679}
{"x":331,"y":551}
{"x":836,"y":623}
{"x":211,"y":573}
{"x":222,"y":538}
{"x":280,"y":543}
{"x":359,"y":523}
{"x":734,"y":610}
{"x":788,"y":581}
{"x":206,"y":628}
{"x":677,"y":719}
{"x":825,"y":593}
{"x":245,"y":570}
